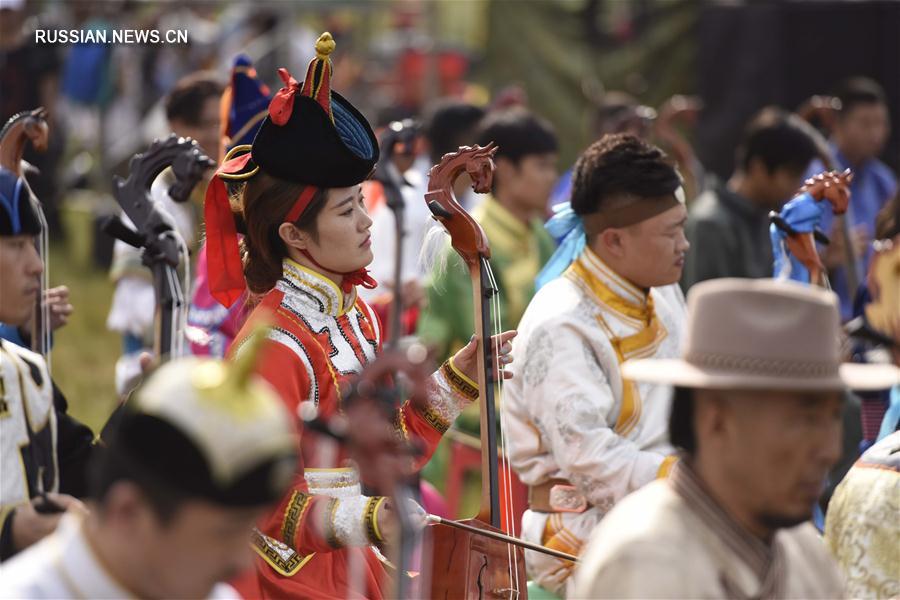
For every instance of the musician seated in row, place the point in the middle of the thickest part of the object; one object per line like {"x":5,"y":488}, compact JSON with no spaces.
{"x":580,"y":435}
{"x":200,"y":451}
{"x":306,"y":249}
{"x":44,"y":451}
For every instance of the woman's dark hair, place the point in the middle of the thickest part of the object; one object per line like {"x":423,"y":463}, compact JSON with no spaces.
{"x":265,"y":202}
{"x":620,"y":165}
{"x":681,"y":420}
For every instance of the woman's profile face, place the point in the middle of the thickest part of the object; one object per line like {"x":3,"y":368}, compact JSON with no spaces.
{"x":343,"y":242}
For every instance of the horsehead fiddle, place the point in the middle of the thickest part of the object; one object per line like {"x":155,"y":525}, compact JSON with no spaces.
{"x":31,"y":126}
{"x":821,"y":113}
{"x":473,"y":558}
{"x":794,"y":230}
{"x":154,"y":229}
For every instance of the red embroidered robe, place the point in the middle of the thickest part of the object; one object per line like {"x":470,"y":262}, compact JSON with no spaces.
{"x":317,"y":542}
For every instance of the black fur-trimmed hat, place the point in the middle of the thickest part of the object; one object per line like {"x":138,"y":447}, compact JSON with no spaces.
{"x":313,"y":136}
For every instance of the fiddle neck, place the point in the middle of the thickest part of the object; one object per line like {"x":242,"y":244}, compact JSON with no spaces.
{"x":483,"y":291}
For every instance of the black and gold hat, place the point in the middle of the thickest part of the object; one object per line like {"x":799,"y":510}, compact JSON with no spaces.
{"x":19,"y":213}
{"x":207,"y":429}
{"x":311,"y":135}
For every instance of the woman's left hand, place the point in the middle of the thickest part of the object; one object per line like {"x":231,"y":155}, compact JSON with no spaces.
{"x":466,"y":359}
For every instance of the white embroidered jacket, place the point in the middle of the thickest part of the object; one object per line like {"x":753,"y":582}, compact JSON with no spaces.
{"x":569,"y":415}
{"x":27,"y":428}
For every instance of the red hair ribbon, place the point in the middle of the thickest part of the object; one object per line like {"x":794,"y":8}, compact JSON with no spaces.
{"x":282,"y":104}
{"x":226,"y":272}
{"x":300,"y":205}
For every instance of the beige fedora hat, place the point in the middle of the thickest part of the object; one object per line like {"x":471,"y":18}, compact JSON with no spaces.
{"x":762,"y":334}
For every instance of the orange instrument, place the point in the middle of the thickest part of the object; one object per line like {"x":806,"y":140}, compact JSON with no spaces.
{"x":466,"y":564}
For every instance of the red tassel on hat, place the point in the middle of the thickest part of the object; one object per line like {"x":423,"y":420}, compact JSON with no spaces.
{"x":226,"y":272}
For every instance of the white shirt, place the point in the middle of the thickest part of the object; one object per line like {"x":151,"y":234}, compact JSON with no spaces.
{"x":62,"y":565}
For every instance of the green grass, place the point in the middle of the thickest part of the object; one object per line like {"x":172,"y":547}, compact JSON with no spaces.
{"x":84,"y":351}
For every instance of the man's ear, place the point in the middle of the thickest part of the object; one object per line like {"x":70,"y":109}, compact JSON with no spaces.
{"x":504,"y":169}
{"x":611,"y":240}
{"x":293,"y":237}
{"x":714,"y":413}
{"x":757,"y":170}
{"x":124,"y":504}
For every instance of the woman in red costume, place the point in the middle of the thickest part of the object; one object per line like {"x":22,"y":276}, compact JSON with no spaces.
{"x":306,"y":247}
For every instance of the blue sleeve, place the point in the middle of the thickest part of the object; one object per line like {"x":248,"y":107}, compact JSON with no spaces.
{"x":10,"y":333}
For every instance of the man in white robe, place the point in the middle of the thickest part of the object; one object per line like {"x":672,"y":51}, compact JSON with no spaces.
{"x":579,"y":435}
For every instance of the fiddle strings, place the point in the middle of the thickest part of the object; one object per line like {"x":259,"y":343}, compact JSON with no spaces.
{"x":178,"y":314}
{"x":496,"y":330}
{"x":44,"y":250}
{"x":185,"y":294}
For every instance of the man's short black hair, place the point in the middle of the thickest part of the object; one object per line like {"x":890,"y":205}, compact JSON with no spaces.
{"x":449,"y":124}
{"x":109,"y":467}
{"x":617,"y":165}
{"x":185,"y":102}
{"x":856,"y":91}
{"x":517,"y":133}
{"x":681,"y":420}
{"x":779,"y":140}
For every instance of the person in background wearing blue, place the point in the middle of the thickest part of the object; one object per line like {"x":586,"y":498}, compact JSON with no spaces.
{"x":861,"y":129}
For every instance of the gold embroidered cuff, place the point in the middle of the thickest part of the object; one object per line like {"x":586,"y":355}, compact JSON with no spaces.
{"x":371,"y":519}
{"x":460,"y":383}
{"x":399,"y":424}
{"x":433,"y":418}
{"x":292,"y":515}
